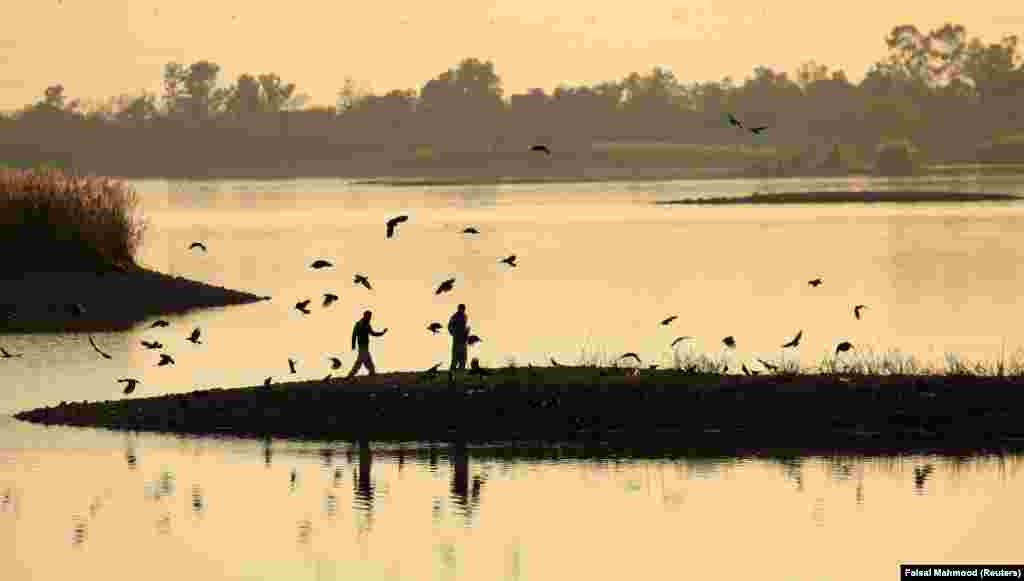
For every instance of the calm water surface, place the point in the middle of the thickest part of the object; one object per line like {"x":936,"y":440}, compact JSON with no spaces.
{"x":599,"y":267}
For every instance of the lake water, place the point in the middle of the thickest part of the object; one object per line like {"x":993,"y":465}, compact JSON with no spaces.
{"x":599,"y":267}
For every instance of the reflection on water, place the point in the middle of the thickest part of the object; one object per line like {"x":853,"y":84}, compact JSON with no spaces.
{"x":521,"y":512}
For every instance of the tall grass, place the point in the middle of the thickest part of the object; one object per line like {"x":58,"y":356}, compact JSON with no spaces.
{"x":51,"y":221}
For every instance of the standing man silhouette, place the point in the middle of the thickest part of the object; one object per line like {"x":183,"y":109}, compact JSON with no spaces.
{"x":459,"y":331}
{"x":361,"y":333}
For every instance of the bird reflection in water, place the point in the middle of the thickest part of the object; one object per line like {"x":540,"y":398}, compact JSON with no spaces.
{"x":327,"y":457}
{"x":293,"y":481}
{"x":129,"y":453}
{"x":337,"y":477}
{"x":79,"y":532}
{"x":793,"y":468}
{"x":268,"y":452}
{"x":305,"y":531}
{"x":197,"y":500}
{"x":921,"y":474}
{"x":331,"y":505}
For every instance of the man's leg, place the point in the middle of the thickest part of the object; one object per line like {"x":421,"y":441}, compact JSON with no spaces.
{"x":357,"y":364}
{"x":369,"y":364}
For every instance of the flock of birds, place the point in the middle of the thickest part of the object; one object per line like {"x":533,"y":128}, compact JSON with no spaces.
{"x":447,"y":285}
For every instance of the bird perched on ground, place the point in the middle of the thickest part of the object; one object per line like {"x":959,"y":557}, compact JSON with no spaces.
{"x":93,"y":343}
{"x":393,"y":223}
{"x":843,"y":347}
{"x":734,"y":121}
{"x":730,"y":342}
{"x":194,"y":337}
{"x":329,"y":298}
{"x":335,"y":363}
{"x":434,"y":327}
{"x":198,"y":245}
{"x":856,"y":310}
{"x":475,"y":369}
{"x":747,"y":371}
{"x":542,"y":148}
{"x":266,"y":382}
{"x":321,"y":264}
{"x":511,"y":260}
{"x":678,"y":339}
{"x":328,"y":377}
{"x":160,"y":323}
{"x":795,"y":341}
{"x":7,"y":355}
{"x":131,"y":385}
{"x":633,"y":355}
{"x":303,"y":306}
{"x":433,"y":370}
{"x":76,"y":309}
{"x":758,"y":130}
{"x":473,"y":340}
{"x":152,"y":344}
{"x":815,"y":283}
{"x":555,"y":363}
{"x":445,"y":286}
{"x":291,"y":364}
{"x":669,"y":320}
{"x":768,"y":366}
{"x":361,"y":279}
{"x":165,"y":359}
{"x":470,"y":230}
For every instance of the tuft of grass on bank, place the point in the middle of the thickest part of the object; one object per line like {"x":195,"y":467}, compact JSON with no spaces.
{"x":65,"y":222}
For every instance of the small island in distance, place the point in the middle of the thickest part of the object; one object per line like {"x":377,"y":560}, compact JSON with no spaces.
{"x":848,"y":197}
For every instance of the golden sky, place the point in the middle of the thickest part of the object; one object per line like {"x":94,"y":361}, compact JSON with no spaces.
{"x":101,"y":48}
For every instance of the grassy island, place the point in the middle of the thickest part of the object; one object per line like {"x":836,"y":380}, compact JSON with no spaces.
{"x":73,"y":240}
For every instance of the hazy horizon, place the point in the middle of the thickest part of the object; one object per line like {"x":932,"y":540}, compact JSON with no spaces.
{"x":122,"y":48}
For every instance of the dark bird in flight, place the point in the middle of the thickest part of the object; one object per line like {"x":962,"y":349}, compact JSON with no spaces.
{"x":291,"y":364}
{"x":152,"y":345}
{"x":555,"y":363}
{"x":165,"y":359}
{"x":131,"y":385}
{"x":475,"y":369}
{"x":93,"y":343}
{"x":433,"y":370}
{"x":329,"y":298}
{"x":856,"y":310}
{"x":445,"y":286}
{"x":734,"y":121}
{"x":194,"y":337}
{"x":434,"y":327}
{"x":795,"y":341}
{"x":768,"y":366}
{"x":160,"y":323}
{"x":266,"y":382}
{"x":7,"y":355}
{"x":633,"y":355}
{"x":471,"y":230}
{"x":730,"y":342}
{"x":542,"y":148}
{"x":76,"y":309}
{"x":678,"y":339}
{"x":814,"y":282}
{"x":843,"y":347}
{"x":321,"y":264}
{"x":511,"y":260}
{"x":758,"y":130}
{"x":198,"y":245}
{"x":361,"y":279}
{"x":303,"y":306}
{"x":473,"y":340}
{"x":335,"y":363}
{"x":393,"y":223}
{"x":670,"y":319}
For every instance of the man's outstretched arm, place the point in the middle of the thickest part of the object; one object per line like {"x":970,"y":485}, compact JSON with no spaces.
{"x":376,"y":334}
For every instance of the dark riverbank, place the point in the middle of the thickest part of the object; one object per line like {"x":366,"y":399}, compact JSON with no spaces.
{"x":114,"y":300}
{"x":847,"y":197}
{"x":807,"y":412}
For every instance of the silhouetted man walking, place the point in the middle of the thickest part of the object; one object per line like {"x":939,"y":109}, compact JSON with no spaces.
{"x":361,"y":333}
{"x":459,"y":331}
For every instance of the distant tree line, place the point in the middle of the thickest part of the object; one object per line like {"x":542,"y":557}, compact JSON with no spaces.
{"x":939,"y":90}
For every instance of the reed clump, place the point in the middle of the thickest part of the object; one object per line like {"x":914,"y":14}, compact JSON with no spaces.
{"x":63,"y":222}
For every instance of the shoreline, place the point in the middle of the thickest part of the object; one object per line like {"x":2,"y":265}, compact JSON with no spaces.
{"x":114,"y":301}
{"x":847,"y":197}
{"x":590,"y":405}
